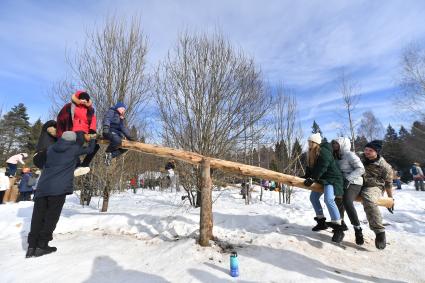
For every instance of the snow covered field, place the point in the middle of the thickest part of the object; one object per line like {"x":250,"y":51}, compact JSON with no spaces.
{"x":151,"y":237}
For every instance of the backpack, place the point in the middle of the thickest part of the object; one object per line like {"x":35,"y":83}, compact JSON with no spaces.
{"x":414,"y":170}
{"x":32,"y":181}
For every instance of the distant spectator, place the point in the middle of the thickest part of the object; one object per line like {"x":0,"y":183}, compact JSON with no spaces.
{"x":396,"y":179}
{"x":12,"y":163}
{"x":25,"y":188}
{"x":418,"y":176}
{"x":4,"y":183}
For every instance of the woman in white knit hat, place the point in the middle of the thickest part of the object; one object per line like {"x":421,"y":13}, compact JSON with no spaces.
{"x":321,"y":168}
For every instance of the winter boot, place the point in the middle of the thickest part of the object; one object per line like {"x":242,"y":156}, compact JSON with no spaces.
{"x":359,"y":236}
{"x":43,"y":249}
{"x":30,"y":252}
{"x":321,"y":224}
{"x":380,"y":241}
{"x":338,"y":233}
{"x":343,"y":225}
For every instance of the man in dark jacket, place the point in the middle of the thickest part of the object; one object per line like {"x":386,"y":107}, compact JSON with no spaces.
{"x":114,"y":130}
{"x":56,"y":181}
{"x":46,"y":139}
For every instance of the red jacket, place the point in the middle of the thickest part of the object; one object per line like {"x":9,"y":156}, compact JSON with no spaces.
{"x":76,"y":117}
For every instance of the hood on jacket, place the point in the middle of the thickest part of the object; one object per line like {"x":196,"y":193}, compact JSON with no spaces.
{"x":76,"y":98}
{"x":326,"y":146}
{"x":62,"y":145}
{"x":344,"y":144}
{"x":120,"y":104}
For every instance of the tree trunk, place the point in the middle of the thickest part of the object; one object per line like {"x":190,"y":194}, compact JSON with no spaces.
{"x":105,"y":202}
{"x":206,"y":220}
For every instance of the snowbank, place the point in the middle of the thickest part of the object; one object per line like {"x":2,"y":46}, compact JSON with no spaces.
{"x":151,"y":237}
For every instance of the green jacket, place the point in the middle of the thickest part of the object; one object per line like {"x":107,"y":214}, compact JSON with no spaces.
{"x":326,"y":170}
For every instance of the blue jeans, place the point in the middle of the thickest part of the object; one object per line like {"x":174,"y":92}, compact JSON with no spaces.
{"x":398,"y":183}
{"x":329,"y":201}
{"x":12,"y":169}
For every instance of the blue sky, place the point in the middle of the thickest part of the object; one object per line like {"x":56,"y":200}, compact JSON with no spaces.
{"x":304,"y":44}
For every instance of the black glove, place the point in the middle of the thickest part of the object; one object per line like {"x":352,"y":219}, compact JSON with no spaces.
{"x":105,"y":130}
{"x":308,"y":182}
{"x":91,"y":132}
{"x":391,"y":209}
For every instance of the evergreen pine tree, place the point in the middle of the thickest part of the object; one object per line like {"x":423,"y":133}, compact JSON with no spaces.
{"x":14,"y":131}
{"x":35,"y":132}
{"x":316,"y":128}
{"x":391,"y":147}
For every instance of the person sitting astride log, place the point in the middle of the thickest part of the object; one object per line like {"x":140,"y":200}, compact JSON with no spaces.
{"x":377,"y":178}
{"x":114,"y":129}
{"x":78,"y":116}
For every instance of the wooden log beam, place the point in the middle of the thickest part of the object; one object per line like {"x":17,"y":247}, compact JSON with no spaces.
{"x":229,"y":166}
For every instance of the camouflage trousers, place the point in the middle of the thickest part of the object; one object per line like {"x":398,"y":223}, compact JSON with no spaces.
{"x":370,"y":196}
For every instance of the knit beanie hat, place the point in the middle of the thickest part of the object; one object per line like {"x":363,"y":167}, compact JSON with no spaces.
{"x":316,"y":138}
{"x":376,"y":145}
{"x":120,"y":104}
{"x":69,"y":136}
{"x":84,"y":95}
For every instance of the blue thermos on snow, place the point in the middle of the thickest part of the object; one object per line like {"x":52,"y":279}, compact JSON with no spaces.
{"x":234,"y":264}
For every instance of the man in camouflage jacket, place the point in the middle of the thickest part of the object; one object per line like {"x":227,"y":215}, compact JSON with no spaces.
{"x":377,"y":178}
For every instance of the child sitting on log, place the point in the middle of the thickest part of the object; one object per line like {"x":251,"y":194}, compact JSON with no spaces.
{"x":114,"y":129}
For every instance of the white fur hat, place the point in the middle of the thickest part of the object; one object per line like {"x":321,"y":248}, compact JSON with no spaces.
{"x":316,"y":138}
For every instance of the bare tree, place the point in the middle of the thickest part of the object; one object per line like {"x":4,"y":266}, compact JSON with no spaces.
{"x":349,"y":90}
{"x":208,"y":95}
{"x":413,"y":80}
{"x":111,"y":66}
{"x":370,"y":127}
{"x":286,"y":125}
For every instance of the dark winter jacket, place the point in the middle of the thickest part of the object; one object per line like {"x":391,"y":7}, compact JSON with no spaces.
{"x":75,"y":117}
{"x":45,"y":140}
{"x":23,"y":185}
{"x":115,"y":123}
{"x":57,"y":178}
{"x":326,"y":170}
{"x":170,"y":165}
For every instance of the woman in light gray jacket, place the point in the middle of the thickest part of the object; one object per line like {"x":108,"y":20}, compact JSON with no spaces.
{"x":352,"y":169}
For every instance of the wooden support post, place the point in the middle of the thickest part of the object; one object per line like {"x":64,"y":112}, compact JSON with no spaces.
{"x":206,"y":217}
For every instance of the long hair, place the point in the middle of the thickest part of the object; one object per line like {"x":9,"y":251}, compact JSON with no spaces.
{"x":313,"y":154}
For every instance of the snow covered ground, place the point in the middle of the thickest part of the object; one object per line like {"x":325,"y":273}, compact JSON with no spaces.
{"x":151,"y":237}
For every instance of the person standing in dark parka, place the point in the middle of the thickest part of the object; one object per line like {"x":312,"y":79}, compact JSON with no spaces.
{"x":56,"y":181}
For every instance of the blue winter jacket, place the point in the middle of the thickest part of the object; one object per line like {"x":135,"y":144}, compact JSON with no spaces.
{"x":23,"y":185}
{"x":115,"y":123}
{"x":57,"y":178}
